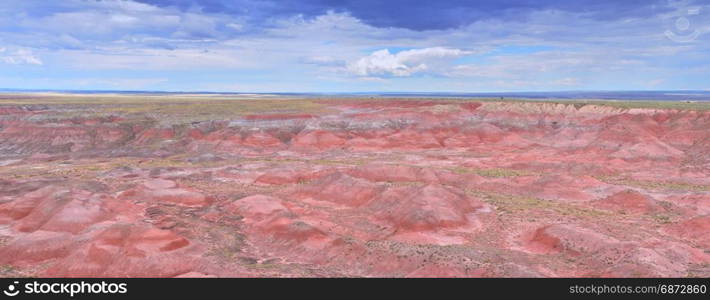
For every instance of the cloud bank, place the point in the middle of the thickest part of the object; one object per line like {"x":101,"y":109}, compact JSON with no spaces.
{"x":337,"y":46}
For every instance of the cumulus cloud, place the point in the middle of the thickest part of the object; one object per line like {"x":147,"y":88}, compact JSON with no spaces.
{"x":19,"y":57}
{"x":404,"y":63}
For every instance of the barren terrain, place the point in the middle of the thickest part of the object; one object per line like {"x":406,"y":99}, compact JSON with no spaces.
{"x":191,"y":186}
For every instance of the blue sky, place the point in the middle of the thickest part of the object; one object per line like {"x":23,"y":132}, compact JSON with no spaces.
{"x":355,"y":45}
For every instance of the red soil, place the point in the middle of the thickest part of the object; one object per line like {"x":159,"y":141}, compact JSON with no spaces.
{"x":696,"y":230}
{"x":629,"y":201}
{"x":402,"y":188}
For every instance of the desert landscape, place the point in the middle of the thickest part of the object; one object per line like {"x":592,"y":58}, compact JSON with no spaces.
{"x":274,"y":186}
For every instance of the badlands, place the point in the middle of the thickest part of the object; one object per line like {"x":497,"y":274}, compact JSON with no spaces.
{"x":99,"y":185}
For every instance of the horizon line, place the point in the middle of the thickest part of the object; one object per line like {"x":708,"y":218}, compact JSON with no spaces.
{"x":21,"y":90}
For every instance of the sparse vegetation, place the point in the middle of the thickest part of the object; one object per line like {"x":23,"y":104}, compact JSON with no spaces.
{"x":168,"y":110}
{"x":493,"y":172}
{"x":654,"y":185}
{"x":522,"y":204}
{"x":621,"y":104}
{"x":227,"y":244}
{"x":661,"y":218}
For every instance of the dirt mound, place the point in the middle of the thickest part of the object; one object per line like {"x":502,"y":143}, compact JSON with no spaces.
{"x":568,"y":239}
{"x":564,"y":187}
{"x":695,"y":229}
{"x":56,"y":209}
{"x":629,"y":201}
{"x":340,"y":188}
{"x":59,"y":138}
{"x":127,"y":250}
{"x":154,"y":135}
{"x":256,"y":206}
{"x":36,"y":247}
{"x":423,"y":208}
{"x":262,"y":140}
{"x":317,"y":140}
{"x":600,"y":255}
{"x":386,"y":172}
{"x":167,"y":192}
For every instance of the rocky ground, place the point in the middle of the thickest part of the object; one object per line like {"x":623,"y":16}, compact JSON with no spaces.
{"x":205,"y":186}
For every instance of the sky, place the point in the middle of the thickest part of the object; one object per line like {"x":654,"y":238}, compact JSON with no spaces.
{"x":355,"y":45}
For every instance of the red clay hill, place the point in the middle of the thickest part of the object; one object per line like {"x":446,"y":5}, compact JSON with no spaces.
{"x":193,"y":187}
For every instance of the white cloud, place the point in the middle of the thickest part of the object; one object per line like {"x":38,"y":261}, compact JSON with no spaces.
{"x":19,"y":57}
{"x":404,"y":63}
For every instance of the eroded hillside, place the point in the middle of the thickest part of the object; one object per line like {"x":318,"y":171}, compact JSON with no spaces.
{"x":351,"y":187}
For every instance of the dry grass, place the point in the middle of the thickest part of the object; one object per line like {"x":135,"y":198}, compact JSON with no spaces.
{"x":238,"y":104}
{"x":493,"y":172}
{"x":621,"y":104}
{"x":169,"y":110}
{"x":654,"y":185}
{"x":578,"y":103}
{"x":515,"y":204}
{"x":315,"y":161}
{"x":681,"y":105}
